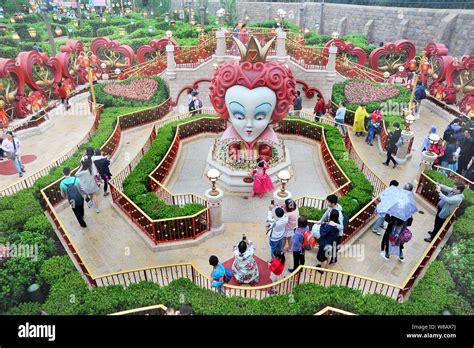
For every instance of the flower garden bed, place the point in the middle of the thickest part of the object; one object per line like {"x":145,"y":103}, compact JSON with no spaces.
{"x":135,"y":91}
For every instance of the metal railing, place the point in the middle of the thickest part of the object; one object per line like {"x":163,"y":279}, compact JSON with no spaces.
{"x":310,"y":58}
{"x":29,"y":181}
{"x":193,"y":56}
{"x":353,"y":70}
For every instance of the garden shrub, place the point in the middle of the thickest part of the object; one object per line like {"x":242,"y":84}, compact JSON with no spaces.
{"x":16,"y":275}
{"x":27,"y":308}
{"x":55,"y":268}
{"x":39,"y":224}
{"x":67,"y":296}
{"x":105,"y":300}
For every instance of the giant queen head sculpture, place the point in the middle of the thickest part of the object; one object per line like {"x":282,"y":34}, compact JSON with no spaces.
{"x":252,"y":94}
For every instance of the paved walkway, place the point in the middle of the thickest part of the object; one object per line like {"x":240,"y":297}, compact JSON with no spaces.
{"x":69,"y":128}
{"x":110,"y":244}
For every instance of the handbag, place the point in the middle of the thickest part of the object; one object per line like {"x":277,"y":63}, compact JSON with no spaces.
{"x":316,"y":231}
{"x":399,"y":142}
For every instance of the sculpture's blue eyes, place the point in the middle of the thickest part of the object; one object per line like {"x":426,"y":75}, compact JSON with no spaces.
{"x":260,"y":116}
{"x":238,"y":115}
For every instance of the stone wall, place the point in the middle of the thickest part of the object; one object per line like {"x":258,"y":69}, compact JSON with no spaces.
{"x":454,"y":28}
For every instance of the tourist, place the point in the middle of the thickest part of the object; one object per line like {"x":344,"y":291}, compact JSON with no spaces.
{"x":395,"y":140}
{"x":359,"y":120}
{"x":196,"y":104}
{"x":276,"y":229}
{"x":219,"y":274}
{"x":374,"y":125}
{"x":244,"y":36}
{"x":36,"y":48}
{"x":88,"y":157}
{"x":381,"y":215}
{"x":11,"y":147}
{"x":340,"y":116}
{"x":328,"y":234}
{"x":293,"y":213}
{"x":63,"y":93}
{"x":277,"y":266}
{"x":420,"y":93}
{"x":467,"y":151}
{"x":319,"y":108}
{"x":452,"y":129}
{"x":70,"y":190}
{"x":190,"y":97}
{"x":236,"y":31}
{"x":298,"y":243}
{"x":88,"y":184}
{"x":426,"y":141}
{"x":3,"y":135}
{"x":451,"y":153}
{"x":245,"y":267}
{"x":102,"y":164}
{"x":391,"y":243}
{"x":297,"y":104}
{"x":332,"y":203}
{"x":262,"y":183}
{"x":438,"y":150}
{"x":446,"y":206}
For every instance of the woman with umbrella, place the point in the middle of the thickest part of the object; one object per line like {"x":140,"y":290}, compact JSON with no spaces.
{"x":402,"y":206}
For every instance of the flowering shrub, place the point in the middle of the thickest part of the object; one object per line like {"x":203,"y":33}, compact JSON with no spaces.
{"x":140,"y":90}
{"x":358,"y":92}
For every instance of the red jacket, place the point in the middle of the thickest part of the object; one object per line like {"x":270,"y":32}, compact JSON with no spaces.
{"x":276,"y":267}
{"x":62,"y":92}
{"x":319,"y":107}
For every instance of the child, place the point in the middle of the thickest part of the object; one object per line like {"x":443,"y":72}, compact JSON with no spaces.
{"x":219,"y":274}
{"x":374,"y":126}
{"x":298,"y":240}
{"x":62,"y":92}
{"x":277,"y":266}
{"x":262,"y":182}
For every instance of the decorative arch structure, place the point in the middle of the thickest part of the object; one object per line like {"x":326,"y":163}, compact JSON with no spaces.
{"x":390,"y":57}
{"x":437,"y":55}
{"x":70,"y":68}
{"x":155,"y":47}
{"x":460,"y":81}
{"x":347,"y":50}
{"x":112,"y":53}
{"x":12,"y":92}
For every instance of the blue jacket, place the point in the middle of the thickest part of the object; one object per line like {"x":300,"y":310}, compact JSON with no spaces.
{"x":328,"y":235}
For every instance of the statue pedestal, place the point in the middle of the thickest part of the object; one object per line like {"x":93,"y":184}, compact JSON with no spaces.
{"x":215,"y":210}
{"x":281,"y":200}
{"x":404,"y":151}
{"x":427,"y":160}
{"x":234,"y":180}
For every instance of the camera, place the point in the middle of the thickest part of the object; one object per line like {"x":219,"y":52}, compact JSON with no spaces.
{"x":244,"y":237}
{"x":272,"y":202}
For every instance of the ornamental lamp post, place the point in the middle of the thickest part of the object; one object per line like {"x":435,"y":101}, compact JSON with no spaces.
{"x":213,"y":175}
{"x":409,"y":119}
{"x":44,"y":13}
{"x":3,"y":27}
{"x":335,"y":35}
{"x":220,"y":13}
{"x":58,"y":31}
{"x":32,"y":32}
{"x":15,"y":36}
{"x":169,"y":34}
{"x":284,"y":177}
{"x":122,"y":32}
{"x":281,"y":14}
{"x":433,"y":139}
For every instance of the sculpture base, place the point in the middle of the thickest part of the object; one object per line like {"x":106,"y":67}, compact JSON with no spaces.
{"x":233,"y":180}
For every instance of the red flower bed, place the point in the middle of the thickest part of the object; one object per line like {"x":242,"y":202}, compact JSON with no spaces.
{"x":140,"y":90}
{"x":364,"y":92}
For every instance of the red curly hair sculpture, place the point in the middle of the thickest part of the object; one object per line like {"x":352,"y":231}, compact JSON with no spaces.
{"x":251,"y":72}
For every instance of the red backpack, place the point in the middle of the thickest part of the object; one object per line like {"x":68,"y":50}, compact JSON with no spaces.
{"x":309,"y":240}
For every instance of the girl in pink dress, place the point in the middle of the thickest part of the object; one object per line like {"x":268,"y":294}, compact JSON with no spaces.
{"x":261,"y":180}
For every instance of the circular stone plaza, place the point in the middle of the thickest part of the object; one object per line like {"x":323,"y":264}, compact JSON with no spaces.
{"x":236,"y":158}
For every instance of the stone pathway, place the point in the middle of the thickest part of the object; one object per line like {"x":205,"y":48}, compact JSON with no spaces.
{"x":69,"y":128}
{"x":111,"y":244}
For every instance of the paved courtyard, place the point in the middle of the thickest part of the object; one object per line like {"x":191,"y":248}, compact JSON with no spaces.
{"x":110,"y":244}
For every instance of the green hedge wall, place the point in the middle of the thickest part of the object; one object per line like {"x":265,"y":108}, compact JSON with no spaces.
{"x":361,"y":189}
{"x":109,"y":100}
{"x":69,"y":295}
{"x":458,"y":254}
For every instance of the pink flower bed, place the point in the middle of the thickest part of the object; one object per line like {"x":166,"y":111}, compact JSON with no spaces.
{"x":140,"y":90}
{"x":363,"y":92}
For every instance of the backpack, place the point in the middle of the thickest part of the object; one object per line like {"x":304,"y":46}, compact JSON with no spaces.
{"x":73,"y":195}
{"x":405,"y":236}
{"x":309,"y":240}
{"x":399,"y":142}
{"x":191,"y":106}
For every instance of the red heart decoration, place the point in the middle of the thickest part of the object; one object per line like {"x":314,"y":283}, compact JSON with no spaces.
{"x":364,"y":92}
{"x":252,"y":54}
{"x":140,"y":90}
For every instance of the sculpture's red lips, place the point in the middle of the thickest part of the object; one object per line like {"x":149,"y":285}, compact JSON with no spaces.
{"x":249,"y":132}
